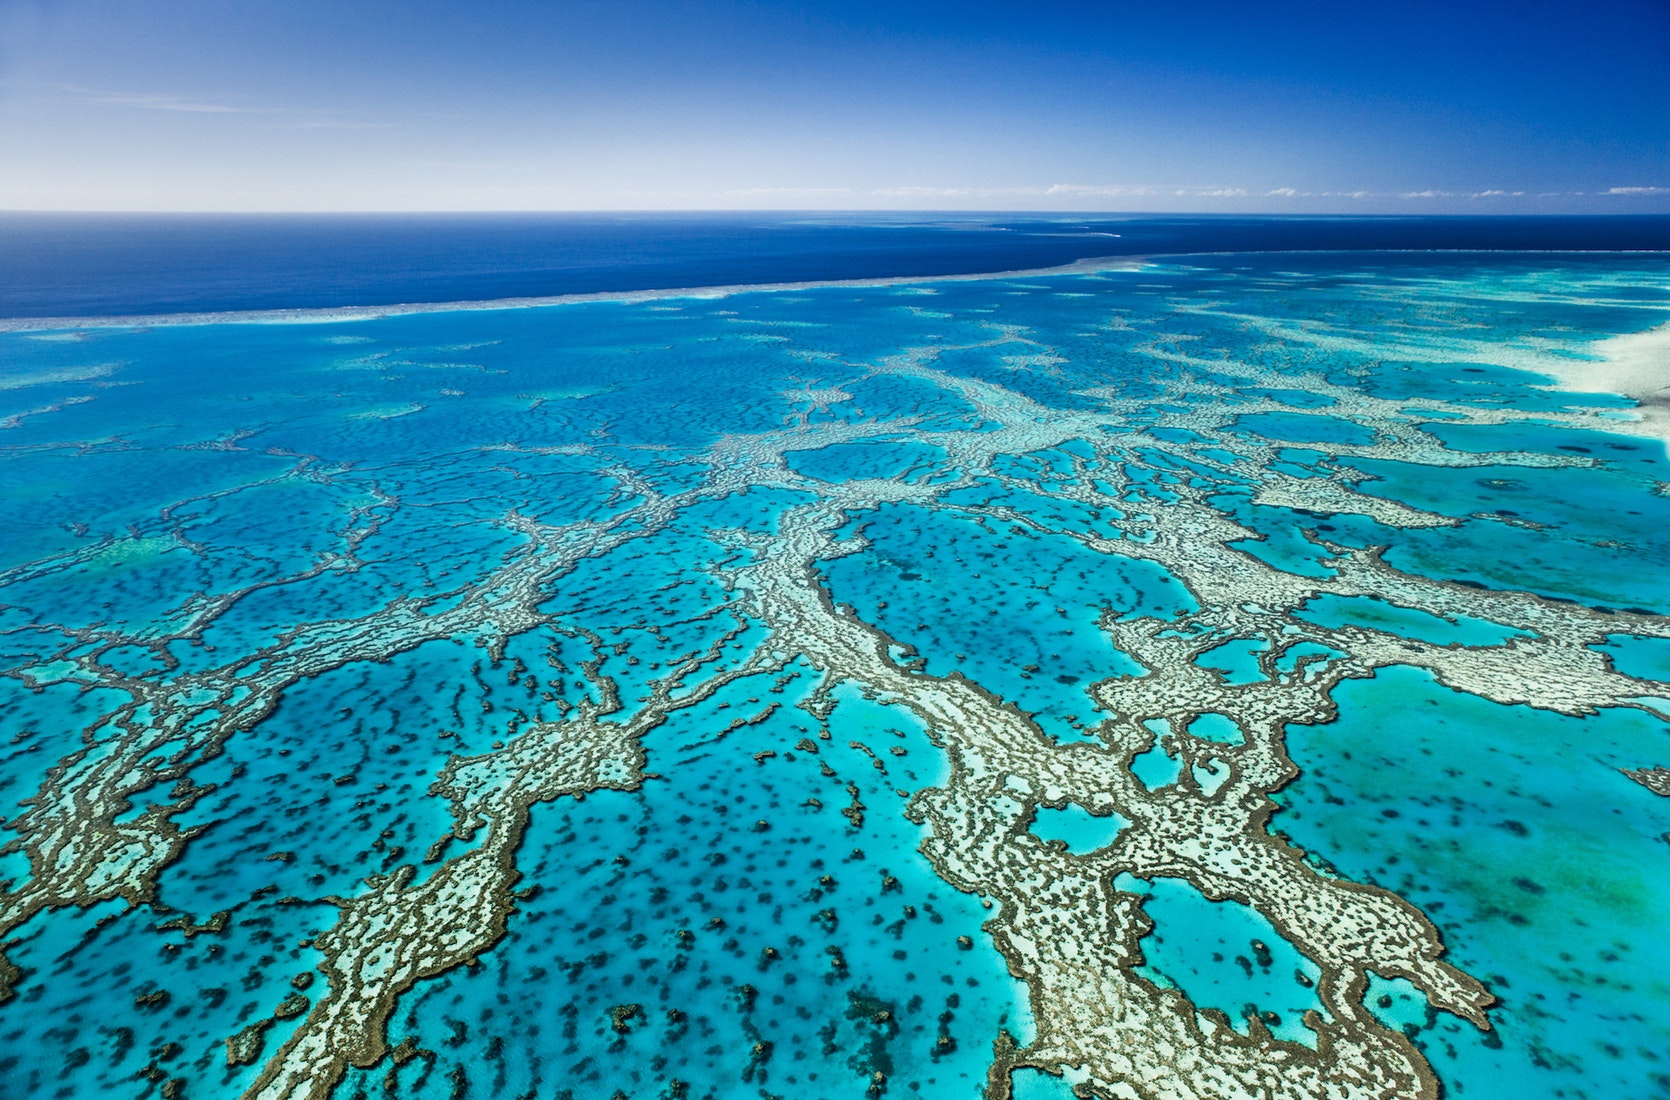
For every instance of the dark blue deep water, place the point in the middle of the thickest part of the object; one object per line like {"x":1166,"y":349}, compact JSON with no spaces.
{"x":90,"y":265}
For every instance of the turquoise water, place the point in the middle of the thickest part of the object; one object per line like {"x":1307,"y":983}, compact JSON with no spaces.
{"x":1648,"y":658}
{"x":1236,"y":661}
{"x":1227,"y":959}
{"x":1406,"y":622}
{"x":1077,"y":828}
{"x":1515,"y":830}
{"x":1303,"y":427}
{"x":771,"y":659}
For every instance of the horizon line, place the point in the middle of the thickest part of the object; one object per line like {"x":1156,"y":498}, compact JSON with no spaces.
{"x":845,"y":211}
{"x":347,"y":314}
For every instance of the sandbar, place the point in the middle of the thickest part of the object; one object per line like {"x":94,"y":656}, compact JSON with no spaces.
{"x":1635,"y":365}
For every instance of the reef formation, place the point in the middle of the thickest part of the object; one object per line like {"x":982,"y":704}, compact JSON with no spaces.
{"x":1160,"y":466}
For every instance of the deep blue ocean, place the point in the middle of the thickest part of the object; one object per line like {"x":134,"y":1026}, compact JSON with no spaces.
{"x":96,"y":265}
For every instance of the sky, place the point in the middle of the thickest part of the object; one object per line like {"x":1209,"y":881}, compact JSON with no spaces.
{"x":1353,"y":106}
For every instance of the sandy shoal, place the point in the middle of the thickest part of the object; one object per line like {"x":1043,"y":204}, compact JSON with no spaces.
{"x":1635,"y":365}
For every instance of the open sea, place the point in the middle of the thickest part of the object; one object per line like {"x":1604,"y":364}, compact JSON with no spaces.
{"x":832,"y":656}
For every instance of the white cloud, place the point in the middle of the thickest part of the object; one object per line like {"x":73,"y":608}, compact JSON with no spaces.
{"x":1150,"y":191}
{"x":780,"y":192}
{"x":919,"y":192}
{"x":1103,"y":190}
{"x":1638,"y":191}
{"x":288,"y":118}
{"x":155,"y":102}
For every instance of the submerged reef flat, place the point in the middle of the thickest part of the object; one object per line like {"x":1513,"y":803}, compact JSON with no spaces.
{"x":1247,"y":677}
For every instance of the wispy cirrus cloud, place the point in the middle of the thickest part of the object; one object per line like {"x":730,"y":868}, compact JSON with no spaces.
{"x":917,"y":191}
{"x":298,"y":118}
{"x":1102,"y":190}
{"x":787,"y":192}
{"x":151,"y":101}
{"x":1637,"y":191}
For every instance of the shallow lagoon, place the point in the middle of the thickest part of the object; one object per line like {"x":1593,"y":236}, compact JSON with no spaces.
{"x":1517,"y":832}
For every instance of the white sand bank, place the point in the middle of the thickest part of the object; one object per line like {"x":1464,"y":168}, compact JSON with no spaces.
{"x":1635,"y":365}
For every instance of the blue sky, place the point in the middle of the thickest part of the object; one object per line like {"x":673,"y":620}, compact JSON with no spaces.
{"x":647,"y":104}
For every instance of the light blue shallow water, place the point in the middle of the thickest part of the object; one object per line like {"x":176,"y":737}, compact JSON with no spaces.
{"x":1537,"y":858}
{"x":323,"y":473}
{"x":1226,"y":958}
